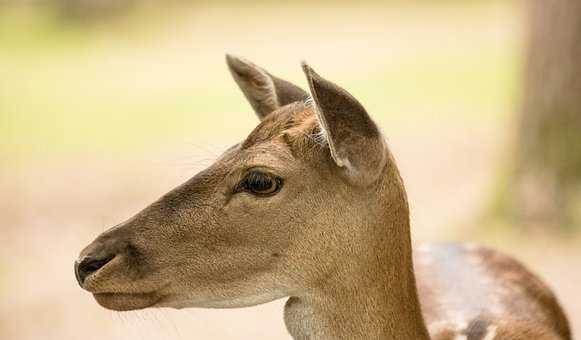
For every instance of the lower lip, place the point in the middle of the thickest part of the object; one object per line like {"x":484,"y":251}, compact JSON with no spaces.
{"x":125,"y":301}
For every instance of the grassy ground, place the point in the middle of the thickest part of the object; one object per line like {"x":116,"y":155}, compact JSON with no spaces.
{"x":96,"y":123}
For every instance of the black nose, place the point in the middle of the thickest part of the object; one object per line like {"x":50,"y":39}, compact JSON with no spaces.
{"x":89,"y":265}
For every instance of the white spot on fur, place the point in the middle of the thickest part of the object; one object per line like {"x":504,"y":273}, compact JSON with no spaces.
{"x":458,"y":328}
{"x":462,"y":326}
{"x":490,"y":333}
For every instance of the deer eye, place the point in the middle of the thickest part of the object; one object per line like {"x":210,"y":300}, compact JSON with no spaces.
{"x":260,"y":183}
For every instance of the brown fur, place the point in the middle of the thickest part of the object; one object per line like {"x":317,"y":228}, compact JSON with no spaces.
{"x":335,"y":239}
{"x":473,"y":286}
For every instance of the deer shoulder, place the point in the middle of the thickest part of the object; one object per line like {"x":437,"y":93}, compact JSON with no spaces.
{"x":473,"y":292}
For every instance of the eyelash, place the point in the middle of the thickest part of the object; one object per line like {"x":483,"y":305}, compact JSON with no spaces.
{"x":256,"y":178}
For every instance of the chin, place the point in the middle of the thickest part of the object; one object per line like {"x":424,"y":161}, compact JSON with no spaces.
{"x":127,"y":301}
{"x":222,"y":302}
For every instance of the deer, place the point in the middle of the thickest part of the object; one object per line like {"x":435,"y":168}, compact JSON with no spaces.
{"x":311,"y":207}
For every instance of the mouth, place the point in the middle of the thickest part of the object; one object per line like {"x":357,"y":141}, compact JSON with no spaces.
{"x":119,"y":293}
{"x":127,"y":301}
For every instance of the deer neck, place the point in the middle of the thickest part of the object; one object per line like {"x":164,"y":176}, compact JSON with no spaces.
{"x":373,"y":295}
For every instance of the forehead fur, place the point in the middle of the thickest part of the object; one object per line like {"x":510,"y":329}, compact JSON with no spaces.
{"x":295,"y":124}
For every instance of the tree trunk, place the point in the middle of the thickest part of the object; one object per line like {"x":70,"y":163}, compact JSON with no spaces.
{"x":546,"y":183}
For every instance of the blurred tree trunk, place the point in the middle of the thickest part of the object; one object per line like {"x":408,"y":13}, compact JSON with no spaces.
{"x":546,"y":183}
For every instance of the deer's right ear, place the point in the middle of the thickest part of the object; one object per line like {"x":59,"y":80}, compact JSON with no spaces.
{"x":264,"y":91}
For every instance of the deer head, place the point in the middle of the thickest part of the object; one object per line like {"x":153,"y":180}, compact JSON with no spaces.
{"x":311,"y":194}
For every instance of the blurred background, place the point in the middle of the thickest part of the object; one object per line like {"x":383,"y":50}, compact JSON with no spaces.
{"x":105,"y":105}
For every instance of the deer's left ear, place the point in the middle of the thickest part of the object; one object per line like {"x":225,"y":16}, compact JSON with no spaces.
{"x":264,"y":91}
{"x":355,"y":142}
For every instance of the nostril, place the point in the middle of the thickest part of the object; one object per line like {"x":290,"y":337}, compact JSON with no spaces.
{"x":89,"y":265}
{"x":93,"y":265}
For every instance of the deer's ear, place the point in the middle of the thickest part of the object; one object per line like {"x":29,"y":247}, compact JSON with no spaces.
{"x":264,"y":91}
{"x":354,"y":140}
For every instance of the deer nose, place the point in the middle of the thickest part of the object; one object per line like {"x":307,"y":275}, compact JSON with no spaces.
{"x":88,"y":265}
